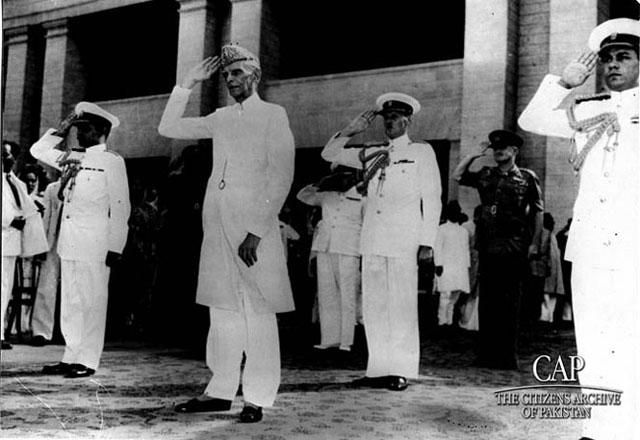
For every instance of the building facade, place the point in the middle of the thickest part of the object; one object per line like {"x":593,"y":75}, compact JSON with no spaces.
{"x":473,"y":65}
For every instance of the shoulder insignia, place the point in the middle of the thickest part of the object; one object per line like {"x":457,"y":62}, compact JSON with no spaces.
{"x":593,"y":97}
{"x":531,"y":173}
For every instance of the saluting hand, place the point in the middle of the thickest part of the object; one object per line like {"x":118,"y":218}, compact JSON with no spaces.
{"x":201,"y":71}
{"x":65,"y":125}
{"x":248,"y":250}
{"x":360,"y":123}
{"x":577,"y":71}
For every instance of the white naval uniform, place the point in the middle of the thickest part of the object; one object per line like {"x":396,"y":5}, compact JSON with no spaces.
{"x":603,"y":246}
{"x":393,"y":228}
{"x":30,"y":241}
{"x":337,"y":244}
{"x":93,"y":222}
{"x":451,"y":251}
{"x":45,"y":304}
{"x":253,"y":160}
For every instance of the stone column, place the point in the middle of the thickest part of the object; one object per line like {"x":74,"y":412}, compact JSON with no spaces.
{"x":64,"y":81}
{"x":489,"y":77}
{"x":21,"y":113}
{"x":196,"y":41}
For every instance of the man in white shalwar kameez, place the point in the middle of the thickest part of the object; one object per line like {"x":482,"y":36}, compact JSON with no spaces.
{"x":452,"y":260}
{"x":402,"y":210}
{"x":243,"y":275}
{"x":604,"y":240}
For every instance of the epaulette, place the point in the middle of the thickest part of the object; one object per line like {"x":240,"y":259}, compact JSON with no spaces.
{"x":593,"y":97}
{"x":529,"y":172}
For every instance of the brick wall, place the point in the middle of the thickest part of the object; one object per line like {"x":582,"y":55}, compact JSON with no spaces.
{"x":321,"y":105}
{"x":571,"y":22}
{"x":137,"y":136}
{"x":533,"y":65}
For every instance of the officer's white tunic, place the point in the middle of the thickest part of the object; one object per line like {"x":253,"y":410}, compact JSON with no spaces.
{"x":45,"y":304}
{"x":253,"y":160}
{"x":603,"y":246}
{"x":94,"y":221}
{"x":393,"y":228}
{"x":337,"y":243}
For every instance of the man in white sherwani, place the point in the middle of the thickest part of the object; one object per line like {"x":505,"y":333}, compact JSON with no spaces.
{"x":452,"y":260}
{"x":93,"y":231}
{"x":243,"y":275}
{"x":604,"y":241}
{"x":22,"y":231}
{"x":44,"y":308}
{"x":337,"y":247}
{"x":402,"y":210}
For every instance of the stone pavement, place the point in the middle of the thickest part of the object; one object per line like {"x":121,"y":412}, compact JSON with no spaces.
{"x":133,"y":393}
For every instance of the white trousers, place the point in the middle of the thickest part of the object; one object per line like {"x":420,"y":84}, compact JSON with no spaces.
{"x":83,"y":310}
{"x":232,"y":333}
{"x":8,"y":275}
{"x":606,"y":310}
{"x":390,"y":313}
{"x":446,"y":304}
{"x":44,"y":308}
{"x":548,"y":307}
{"x":338,"y":282}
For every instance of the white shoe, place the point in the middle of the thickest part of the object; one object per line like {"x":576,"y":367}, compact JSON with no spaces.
{"x":324,"y":346}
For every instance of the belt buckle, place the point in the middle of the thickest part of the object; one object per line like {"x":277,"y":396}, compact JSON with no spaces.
{"x":493,"y":209}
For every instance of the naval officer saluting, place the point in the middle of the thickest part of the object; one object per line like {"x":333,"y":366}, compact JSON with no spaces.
{"x":604,"y":242}
{"x":93,"y":231}
{"x":402,"y":210}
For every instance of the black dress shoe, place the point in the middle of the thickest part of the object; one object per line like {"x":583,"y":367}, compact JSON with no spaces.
{"x":78,"y":370}
{"x":397,"y":383}
{"x":251,"y":414}
{"x":38,"y":341}
{"x":196,"y":405}
{"x":371,"y":382}
{"x":6,"y":346}
{"x":59,"y":368}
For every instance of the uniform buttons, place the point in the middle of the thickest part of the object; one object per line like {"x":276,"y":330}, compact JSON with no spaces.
{"x":606,"y":174}
{"x":403,"y":171}
{"x":68,"y":216}
{"x":378,"y":212}
{"x":603,"y":199}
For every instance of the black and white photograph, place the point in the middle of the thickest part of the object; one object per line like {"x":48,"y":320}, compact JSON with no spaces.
{"x":330,"y":220}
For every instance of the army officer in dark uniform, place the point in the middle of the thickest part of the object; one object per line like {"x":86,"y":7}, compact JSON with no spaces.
{"x":508,"y":234}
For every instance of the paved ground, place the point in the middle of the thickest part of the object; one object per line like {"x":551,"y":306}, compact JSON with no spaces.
{"x":132,"y":395}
